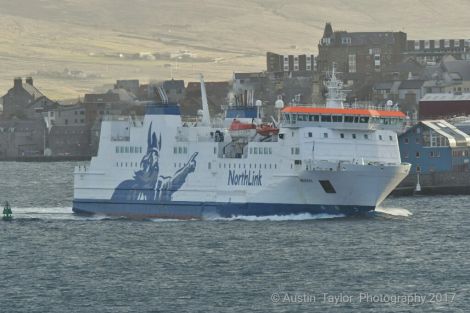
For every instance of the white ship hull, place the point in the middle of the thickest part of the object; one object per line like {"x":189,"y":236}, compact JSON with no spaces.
{"x":357,"y":189}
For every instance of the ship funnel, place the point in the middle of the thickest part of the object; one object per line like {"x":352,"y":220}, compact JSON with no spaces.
{"x":206,"y":120}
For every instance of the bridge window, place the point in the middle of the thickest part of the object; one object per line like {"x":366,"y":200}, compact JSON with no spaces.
{"x":270,"y":150}
{"x":132,"y":149}
{"x":117,"y":149}
{"x":337,"y":119}
{"x":326,"y":118}
{"x":266,"y":151}
{"x":349,"y":119}
{"x":256,"y":150}
{"x":313,"y":118}
{"x":260,"y":150}
{"x":127,"y":150}
{"x":121,"y":149}
{"x":364,"y":119}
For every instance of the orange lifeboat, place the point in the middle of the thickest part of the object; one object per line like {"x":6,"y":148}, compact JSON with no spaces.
{"x":267,"y":130}
{"x":242,"y":130}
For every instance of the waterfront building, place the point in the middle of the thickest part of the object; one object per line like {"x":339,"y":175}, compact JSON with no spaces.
{"x":22,"y":138}
{"x":435,"y":146}
{"x":444,"y":105}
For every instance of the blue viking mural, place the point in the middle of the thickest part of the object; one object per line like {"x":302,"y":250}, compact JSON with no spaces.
{"x":147,"y":184}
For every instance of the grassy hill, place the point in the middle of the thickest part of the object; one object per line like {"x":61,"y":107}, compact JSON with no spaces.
{"x":72,"y":46}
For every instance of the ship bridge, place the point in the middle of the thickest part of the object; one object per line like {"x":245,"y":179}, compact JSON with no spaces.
{"x":368,"y":118}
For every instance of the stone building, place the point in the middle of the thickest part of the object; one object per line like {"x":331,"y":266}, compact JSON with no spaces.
{"x":22,"y":138}
{"x":360,"y":57}
{"x":25,"y":101}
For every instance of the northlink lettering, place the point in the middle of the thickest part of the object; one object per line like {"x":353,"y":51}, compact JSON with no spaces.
{"x":246,"y":178}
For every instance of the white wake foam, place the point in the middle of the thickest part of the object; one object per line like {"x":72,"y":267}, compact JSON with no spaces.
{"x":45,"y":210}
{"x":276,"y":218}
{"x":394,"y":211}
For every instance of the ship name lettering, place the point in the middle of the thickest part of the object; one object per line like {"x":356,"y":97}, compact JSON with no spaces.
{"x":245,"y":178}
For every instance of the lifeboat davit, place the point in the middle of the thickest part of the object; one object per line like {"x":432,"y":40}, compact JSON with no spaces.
{"x":267,"y":130}
{"x":242,"y":130}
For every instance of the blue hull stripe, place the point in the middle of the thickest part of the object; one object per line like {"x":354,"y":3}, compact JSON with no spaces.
{"x":198,"y":210}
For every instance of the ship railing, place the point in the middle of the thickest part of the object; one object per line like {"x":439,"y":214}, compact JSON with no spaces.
{"x":135,"y":121}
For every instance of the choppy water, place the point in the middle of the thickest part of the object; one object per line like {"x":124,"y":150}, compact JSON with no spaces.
{"x":54,"y":261}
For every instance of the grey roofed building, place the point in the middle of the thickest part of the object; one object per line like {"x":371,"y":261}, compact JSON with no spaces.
{"x":383,"y":85}
{"x":173,"y":84}
{"x":460,"y":67}
{"x":108,"y":97}
{"x":446,"y":97}
{"x":250,"y":76}
{"x":411,"y":84}
{"x":25,"y":101}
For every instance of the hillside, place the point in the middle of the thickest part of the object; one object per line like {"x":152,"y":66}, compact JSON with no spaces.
{"x":72,"y":46}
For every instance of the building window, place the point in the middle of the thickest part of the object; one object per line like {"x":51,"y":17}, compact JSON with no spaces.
{"x":341,"y":135}
{"x":418,"y":168}
{"x":417,"y":155}
{"x":310,"y":134}
{"x":366,"y":136}
{"x":405,"y":155}
{"x":406,"y":140}
{"x":354,"y":136}
{"x":380,"y":137}
{"x":325,"y":135}
{"x":352,"y":63}
{"x":391,"y":138}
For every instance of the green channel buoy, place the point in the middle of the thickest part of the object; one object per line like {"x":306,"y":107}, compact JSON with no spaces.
{"x":7,"y":213}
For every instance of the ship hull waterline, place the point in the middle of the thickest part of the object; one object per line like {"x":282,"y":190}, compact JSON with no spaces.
{"x":194,"y":210}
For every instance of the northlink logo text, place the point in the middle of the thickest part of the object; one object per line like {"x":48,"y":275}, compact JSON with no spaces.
{"x":245,"y":178}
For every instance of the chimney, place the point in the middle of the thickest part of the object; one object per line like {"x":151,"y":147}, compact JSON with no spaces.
{"x":29,"y":80}
{"x":17,"y":82}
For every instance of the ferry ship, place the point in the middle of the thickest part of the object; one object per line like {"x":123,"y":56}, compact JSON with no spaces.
{"x":316,"y":159}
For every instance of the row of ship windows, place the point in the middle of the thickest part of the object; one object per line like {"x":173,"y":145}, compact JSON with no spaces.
{"x":126,"y":164}
{"x":234,"y":166}
{"x":354,"y":136}
{"x":340,"y":119}
{"x":260,"y":150}
{"x":126,"y":149}
{"x":432,"y":154}
{"x":180,"y":150}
